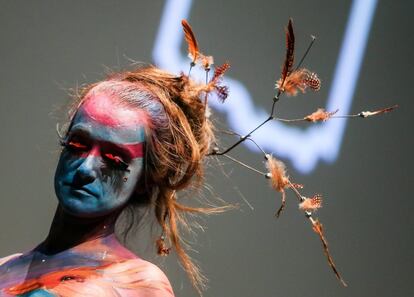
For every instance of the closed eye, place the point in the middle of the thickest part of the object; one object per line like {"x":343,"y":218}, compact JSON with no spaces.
{"x":74,"y":146}
{"x":77,"y":145}
{"x":117,"y":161}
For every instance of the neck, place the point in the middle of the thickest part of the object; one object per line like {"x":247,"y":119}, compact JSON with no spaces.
{"x":68,"y":231}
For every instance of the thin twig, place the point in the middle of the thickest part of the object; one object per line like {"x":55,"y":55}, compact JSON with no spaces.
{"x":306,"y":52}
{"x":293,"y":188}
{"x":192,"y":64}
{"x":228,"y":132}
{"x":257,"y":145}
{"x":242,"y":139}
{"x":244,"y":165}
{"x":206,"y":98}
{"x":289,"y":120}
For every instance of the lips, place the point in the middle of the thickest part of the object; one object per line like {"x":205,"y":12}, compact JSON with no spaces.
{"x":81,"y":190}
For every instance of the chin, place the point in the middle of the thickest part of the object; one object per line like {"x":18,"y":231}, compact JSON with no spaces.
{"x":86,"y":208}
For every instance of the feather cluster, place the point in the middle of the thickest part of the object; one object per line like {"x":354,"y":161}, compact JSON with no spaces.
{"x":311,"y":204}
{"x":278,"y":178}
{"x":222,"y":91}
{"x":193,"y":51}
{"x":320,"y":115}
{"x":292,"y":81}
{"x":299,"y":80}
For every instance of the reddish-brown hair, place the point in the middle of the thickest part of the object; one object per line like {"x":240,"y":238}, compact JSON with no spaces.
{"x":178,"y":137}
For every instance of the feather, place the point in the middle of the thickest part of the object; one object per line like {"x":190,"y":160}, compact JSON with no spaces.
{"x":365,"y":114}
{"x":320,"y":115}
{"x":193,"y":51}
{"x":299,"y":80}
{"x":317,"y":227}
{"x":278,"y":178}
{"x":277,"y":170}
{"x":222,"y":92}
{"x":220,"y":70}
{"x":290,"y":48}
{"x":311,"y":204}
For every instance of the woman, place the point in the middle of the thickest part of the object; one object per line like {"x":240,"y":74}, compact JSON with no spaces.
{"x":134,"y":139}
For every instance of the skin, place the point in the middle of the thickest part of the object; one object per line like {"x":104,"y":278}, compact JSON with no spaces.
{"x":98,"y":170}
{"x":102,"y":159}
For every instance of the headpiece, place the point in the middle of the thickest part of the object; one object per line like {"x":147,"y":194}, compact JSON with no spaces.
{"x":293,"y":80}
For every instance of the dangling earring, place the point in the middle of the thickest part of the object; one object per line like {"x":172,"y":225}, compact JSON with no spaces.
{"x":162,"y":248}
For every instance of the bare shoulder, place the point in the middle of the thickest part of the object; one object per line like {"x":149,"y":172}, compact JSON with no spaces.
{"x":139,"y":278}
{"x":131,"y":277}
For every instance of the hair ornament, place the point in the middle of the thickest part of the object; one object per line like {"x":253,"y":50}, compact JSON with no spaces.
{"x":193,"y":51}
{"x":292,"y":81}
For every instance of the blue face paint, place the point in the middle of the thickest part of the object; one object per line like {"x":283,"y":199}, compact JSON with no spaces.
{"x":38,"y":293}
{"x":102,"y":159}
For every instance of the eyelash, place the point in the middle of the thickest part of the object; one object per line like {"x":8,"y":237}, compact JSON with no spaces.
{"x":114,"y":160}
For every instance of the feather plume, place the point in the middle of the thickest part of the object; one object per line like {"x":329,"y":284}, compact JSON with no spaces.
{"x":312,"y":80}
{"x":365,"y":114}
{"x":278,"y":178}
{"x":277,"y":170}
{"x":299,"y":80}
{"x":311,"y":204}
{"x":290,"y":48}
{"x":219,"y":71}
{"x":193,"y":51}
{"x":215,"y":83}
{"x":222,"y":92}
{"x":317,"y":227}
{"x":320,"y":115}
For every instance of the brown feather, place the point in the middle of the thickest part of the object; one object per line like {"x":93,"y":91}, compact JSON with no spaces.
{"x":320,"y":115}
{"x":191,"y":41}
{"x":299,"y":80}
{"x":365,"y":114}
{"x":220,"y":70}
{"x":278,"y":179}
{"x":317,"y":227}
{"x":311,"y":204}
{"x":290,"y":48}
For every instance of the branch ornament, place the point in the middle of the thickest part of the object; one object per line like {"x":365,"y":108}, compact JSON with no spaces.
{"x":292,"y":81}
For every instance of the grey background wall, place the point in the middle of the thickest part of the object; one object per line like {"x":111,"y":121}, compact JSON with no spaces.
{"x":47,"y":47}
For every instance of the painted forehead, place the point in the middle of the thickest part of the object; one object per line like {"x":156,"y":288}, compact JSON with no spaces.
{"x":105,"y":119}
{"x":106,"y":110}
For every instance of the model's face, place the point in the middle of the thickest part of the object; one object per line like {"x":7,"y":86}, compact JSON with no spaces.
{"x":102,"y":158}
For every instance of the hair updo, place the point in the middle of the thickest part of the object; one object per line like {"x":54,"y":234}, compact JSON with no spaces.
{"x":178,"y":137}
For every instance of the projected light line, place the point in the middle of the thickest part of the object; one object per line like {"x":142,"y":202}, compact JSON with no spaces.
{"x":303,"y":147}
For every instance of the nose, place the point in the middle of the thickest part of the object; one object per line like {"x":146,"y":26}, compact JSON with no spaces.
{"x":87,"y":171}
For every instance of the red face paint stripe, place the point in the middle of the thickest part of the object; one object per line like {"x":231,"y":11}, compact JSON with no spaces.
{"x":135,"y":150}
